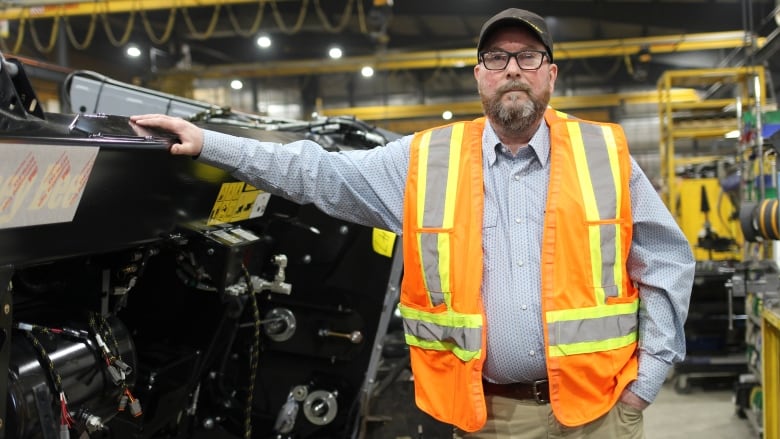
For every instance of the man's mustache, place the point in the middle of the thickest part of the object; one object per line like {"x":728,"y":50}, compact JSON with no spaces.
{"x":514,"y":86}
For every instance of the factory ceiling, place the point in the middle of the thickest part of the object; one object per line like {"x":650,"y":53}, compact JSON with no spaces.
{"x":605,"y":45}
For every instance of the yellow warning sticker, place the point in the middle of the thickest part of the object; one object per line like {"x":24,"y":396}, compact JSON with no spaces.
{"x":383,"y":242}
{"x":238,"y":201}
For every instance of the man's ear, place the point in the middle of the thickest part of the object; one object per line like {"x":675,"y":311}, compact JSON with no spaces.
{"x":553,"y":75}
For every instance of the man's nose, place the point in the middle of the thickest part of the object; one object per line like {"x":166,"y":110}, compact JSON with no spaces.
{"x":513,"y":67}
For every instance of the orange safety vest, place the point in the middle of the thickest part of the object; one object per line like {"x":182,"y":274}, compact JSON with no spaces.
{"x":589,"y":304}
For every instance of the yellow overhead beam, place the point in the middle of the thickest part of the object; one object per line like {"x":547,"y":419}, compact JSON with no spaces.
{"x":458,"y":58}
{"x":473,"y":108}
{"x":387,"y":61}
{"x":653,"y":45}
{"x":66,"y":8}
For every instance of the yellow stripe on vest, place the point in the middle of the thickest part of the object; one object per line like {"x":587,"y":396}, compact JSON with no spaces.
{"x":599,"y":176}
{"x":450,"y":331}
{"x":422,"y":176}
{"x":591,"y":208}
{"x":596,"y":346}
{"x":592,"y":312}
{"x":617,"y":268}
{"x":462,"y":354}
{"x":453,"y":176}
{"x":592,"y":329}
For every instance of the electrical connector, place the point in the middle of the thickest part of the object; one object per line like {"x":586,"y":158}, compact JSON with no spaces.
{"x":124,"y":367}
{"x":135,"y":408}
{"x":64,"y":432}
{"x":116,"y":375}
{"x":102,"y":345}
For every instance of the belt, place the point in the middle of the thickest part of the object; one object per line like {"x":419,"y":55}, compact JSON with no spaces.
{"x":538,"y":390}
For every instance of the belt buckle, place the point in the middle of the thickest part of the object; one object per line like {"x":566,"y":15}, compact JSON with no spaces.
{"x":536,"y":386}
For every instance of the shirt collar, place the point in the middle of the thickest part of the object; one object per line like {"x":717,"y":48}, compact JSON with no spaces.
{"x":539,"y":144}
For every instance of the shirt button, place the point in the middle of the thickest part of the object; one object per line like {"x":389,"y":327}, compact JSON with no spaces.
{"x":519,"y":263}
{"x":531,"y":353}
{"x":524,"y":307}
{"x":517,"y":177}
{"x":518,"y":220}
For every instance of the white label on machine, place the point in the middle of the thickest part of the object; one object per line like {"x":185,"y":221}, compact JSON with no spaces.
{"x":261,"y":202}
{"x":42,"y":184}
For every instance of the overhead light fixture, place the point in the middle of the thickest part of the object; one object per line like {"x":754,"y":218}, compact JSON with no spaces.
{"x":264,"y":41}
{"x":335,"y":53}
{"x":367,"y":71}
{"x":236,"y":84}
{"x":133,"y":51}
{"x":447,"y":115}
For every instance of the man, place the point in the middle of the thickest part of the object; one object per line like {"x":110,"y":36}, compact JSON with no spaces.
{"x":545,"y":284}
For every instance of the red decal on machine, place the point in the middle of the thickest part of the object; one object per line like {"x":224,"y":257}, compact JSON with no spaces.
{"x":38,"y":184}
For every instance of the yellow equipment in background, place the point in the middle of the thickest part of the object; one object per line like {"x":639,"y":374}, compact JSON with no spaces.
{"x":709,"y":219}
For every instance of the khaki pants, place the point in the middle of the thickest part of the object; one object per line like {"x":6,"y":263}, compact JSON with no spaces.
{"x":514,"y":419}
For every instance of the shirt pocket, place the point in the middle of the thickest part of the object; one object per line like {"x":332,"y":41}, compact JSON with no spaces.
{"x":490,"y":232}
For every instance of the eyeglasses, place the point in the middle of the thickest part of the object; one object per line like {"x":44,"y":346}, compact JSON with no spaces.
{"x":526,"y":59}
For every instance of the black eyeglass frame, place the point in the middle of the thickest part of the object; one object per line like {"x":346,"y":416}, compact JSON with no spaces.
{"x":513,"y":55}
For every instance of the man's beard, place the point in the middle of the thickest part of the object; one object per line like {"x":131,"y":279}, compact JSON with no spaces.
{"x":519,"y":115}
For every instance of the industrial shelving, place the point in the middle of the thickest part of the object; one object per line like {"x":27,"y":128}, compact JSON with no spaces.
{"x":771,"y":372}
{"x":758,"y":282}
{"x":707,"y":118}
{"x":693,"y":154}
{"x":732,"y":101}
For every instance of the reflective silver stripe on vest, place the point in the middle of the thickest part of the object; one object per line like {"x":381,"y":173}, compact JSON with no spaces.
{"x":438,"y":175}
{"x":433,"y":212}
{"x":604,"y":326}
{"x":440,"y":329}
{"x":592,"y":329}
{"x":603,"y":184}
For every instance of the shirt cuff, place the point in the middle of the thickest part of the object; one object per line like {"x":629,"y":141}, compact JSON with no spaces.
{"x":651,"y":377}
{"x":220,"y":150}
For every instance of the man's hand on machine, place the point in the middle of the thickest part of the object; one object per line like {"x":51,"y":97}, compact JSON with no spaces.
{"x":189,"y":136}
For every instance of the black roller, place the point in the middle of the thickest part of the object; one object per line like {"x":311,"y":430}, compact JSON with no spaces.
{"x":760,"y":221}
{"x":767,"y":219}
{"x":747,"y":214}
{"x":33,"y":411}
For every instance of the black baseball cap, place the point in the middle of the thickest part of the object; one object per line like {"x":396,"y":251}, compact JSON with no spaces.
{"x":514,"y":17}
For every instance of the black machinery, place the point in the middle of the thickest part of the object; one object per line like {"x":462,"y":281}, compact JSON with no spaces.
{"x":145,"y":295}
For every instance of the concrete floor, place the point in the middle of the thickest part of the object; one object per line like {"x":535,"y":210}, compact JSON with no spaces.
{"x":704,"y":413}
{"x":707,"y":411}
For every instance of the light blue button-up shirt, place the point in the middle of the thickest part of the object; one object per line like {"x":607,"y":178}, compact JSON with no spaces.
{"x":367,"y":187}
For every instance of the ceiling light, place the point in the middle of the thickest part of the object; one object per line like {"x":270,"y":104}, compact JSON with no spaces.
{"x":334,"y":53}
{"x":133,"y":51}
{"x":367,"y":71}
{"x":447,"y":115}
{"x":264,"y":41}
{"x":236,"y":84}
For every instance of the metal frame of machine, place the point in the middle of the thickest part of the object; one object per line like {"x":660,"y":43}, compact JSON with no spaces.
{"x":146,"y":296}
